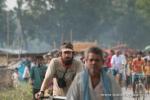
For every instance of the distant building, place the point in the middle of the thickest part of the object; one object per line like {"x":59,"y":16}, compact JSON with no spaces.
{"x":7,"y":56}
{"x":81,"y":46}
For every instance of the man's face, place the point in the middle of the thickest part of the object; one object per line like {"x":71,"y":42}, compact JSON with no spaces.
{"x":67,"y":56}
{"x":94,"y":63}
{"x":139,"y":56}
{"x":118,"y":53}
{"x":39,"y":61}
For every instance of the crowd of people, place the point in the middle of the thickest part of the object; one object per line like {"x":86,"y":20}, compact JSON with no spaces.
{"x":129,"y":68}
{"x":91,"y":76}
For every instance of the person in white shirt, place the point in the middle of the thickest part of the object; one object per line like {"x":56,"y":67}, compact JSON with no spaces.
{"x":117,"y":63}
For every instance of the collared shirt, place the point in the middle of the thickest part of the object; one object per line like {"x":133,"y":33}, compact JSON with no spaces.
{"x":116,"y":62}
{"x":56,"y":70}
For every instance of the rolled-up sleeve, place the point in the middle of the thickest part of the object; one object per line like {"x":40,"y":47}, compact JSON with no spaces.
{"x":50,"y":70}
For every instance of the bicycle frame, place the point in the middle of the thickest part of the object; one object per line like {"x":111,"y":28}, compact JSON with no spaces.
{"x":139,"y":90}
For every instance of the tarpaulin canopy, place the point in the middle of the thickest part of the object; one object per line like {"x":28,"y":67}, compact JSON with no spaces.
{"x":147,"y":48}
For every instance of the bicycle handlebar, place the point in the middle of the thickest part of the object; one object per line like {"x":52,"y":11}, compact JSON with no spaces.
{"x":54,"y":97}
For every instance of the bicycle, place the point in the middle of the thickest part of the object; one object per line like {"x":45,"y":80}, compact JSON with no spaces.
{"x":53,"y":98}
{"x":139,"y":89}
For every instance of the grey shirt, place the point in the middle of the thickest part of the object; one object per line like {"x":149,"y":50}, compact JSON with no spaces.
{"x":56,"y":70}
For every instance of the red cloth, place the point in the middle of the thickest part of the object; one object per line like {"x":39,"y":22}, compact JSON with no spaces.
{"x":108,"y":61}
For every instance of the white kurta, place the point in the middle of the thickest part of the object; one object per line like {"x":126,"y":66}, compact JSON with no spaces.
{"x":96,"y":93}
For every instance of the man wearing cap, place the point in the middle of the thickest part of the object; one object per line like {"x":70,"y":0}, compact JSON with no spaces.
{"x":61,"y":71}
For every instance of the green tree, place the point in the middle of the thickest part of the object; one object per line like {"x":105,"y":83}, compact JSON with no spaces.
{"x":2,"y":22}
{"x":131,"y":27}
{"x":107,"y":21}
{"x":144,"y":8}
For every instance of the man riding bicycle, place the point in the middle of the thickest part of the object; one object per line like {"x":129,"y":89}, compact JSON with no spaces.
{"x":137,"y":68}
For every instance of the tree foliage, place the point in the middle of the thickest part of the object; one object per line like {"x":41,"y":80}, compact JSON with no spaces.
{"x":2,"y":22}
{"x":107,"y":21}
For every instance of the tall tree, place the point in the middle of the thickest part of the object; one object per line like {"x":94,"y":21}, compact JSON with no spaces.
{"x":103,"y":20}
{"x":132,"y":25}
{"x":2,"y":22}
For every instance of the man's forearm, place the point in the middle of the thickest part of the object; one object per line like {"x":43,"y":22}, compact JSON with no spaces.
{"x":44,"y":85}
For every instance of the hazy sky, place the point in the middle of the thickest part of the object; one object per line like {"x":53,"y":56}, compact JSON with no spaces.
{"x":11,"y":3}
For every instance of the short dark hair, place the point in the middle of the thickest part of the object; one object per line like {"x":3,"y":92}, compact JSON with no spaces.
{"x":39,"y":57}
{"x":67,"y":45}
{"x":112,"y":51}
{"x":95,"y":50}
{"x":139,"y":53}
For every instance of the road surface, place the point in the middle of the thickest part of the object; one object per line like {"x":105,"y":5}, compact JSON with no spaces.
{"x":128,"y":95}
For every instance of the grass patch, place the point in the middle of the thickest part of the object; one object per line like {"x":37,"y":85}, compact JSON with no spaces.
{"x":22,"y":92}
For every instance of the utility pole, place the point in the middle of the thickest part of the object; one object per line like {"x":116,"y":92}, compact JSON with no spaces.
{"x":20,"y":18}
{"x":19,"y":37}
{"x":54,"y":44}
{"x":71,"y":36}
{"x":8,"y":36}
{"x":7,"y":25}
{"x":62,"y":38}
